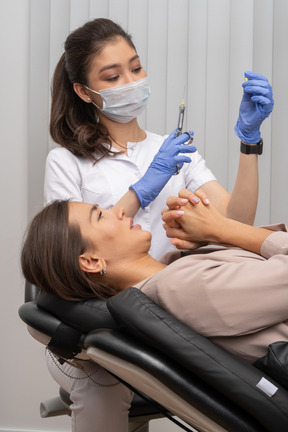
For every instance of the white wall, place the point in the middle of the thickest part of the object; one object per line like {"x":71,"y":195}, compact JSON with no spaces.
{"x":24,"y":378}
{"x":203,"y":46}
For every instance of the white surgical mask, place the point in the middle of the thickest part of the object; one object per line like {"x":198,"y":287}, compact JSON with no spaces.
{"x":126,"y":102}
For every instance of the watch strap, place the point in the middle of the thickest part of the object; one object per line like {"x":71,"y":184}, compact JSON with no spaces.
{"x":252,"y":148}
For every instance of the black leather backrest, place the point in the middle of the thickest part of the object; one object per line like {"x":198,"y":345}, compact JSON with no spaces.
{"x":65,"y":341}
{"x":81,"y":315}
{"x":31,"y":292}
{"x":224,"y":372}
{"x":38,"y":319}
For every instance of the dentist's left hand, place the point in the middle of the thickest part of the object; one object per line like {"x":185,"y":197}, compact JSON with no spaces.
{"x":256,"y":105}
{"x":167,"y":162}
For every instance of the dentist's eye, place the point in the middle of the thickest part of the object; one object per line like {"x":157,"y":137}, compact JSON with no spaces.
{"x":100,"y":215}
{"x":137,"y":69}
{"x":112,"y":79}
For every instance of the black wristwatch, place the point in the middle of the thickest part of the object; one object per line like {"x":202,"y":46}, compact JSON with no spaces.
{"x":253,"y":148}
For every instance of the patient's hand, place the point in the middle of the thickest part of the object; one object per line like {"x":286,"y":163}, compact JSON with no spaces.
{"x":188,"y":221}
{"x":175,"y":203}
{"x":203,"y":223}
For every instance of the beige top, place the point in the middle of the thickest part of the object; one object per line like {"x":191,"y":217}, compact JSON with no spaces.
{"x":237,"y":298}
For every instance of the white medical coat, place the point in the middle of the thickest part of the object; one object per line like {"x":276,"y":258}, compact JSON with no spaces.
{"x":103,"y":183}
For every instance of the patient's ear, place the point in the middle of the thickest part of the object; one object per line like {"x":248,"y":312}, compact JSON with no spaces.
{"x":91,"y":264}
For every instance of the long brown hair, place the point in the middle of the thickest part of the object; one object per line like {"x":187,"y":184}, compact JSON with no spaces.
{"x":50,"y":256}
{"x":73,"y":122}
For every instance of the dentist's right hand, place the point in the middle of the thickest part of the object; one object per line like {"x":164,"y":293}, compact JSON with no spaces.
{"x":167,"y":162}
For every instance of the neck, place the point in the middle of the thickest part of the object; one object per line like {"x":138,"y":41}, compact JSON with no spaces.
{"x":133,"y":272}
{"x":121,"y":133}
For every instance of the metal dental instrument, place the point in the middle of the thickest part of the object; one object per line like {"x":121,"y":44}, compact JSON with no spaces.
{"x":180,"y":123}
{"x":180,"y":127}
{"x":180,"y":118}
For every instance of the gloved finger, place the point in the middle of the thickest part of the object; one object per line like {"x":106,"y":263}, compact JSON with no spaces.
{"x":183,"y":138}
{"x":181,"y":159}
{"x":257,"y":83}
{"x":183,"y":148}
{"x":190,"y":135}
{"x":254,"y":75}
{"x":262,"y":100}
{"x":171,"y":140}
{"x":255,"y":89}
{"x":170,"y":137}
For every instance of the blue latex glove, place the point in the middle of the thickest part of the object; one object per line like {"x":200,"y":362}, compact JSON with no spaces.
{"x":166,"y":162}
{"x":256,"y":105}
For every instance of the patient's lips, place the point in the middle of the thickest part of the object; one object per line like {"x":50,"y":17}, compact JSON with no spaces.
{"x":133,"y":227}
{"x":137,"y":226}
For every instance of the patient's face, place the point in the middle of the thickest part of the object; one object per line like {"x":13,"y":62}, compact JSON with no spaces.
{"x":110,"y":232}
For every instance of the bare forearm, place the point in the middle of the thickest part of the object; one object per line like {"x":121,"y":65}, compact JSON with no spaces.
{"x":238,"y":234}
{"x":241,"y":204}
{"x":243,"y":200}
{"x":204,"y":223}
{"x":130,"y":202}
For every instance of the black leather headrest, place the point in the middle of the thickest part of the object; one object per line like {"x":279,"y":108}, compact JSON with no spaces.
{"x":82,"y":315}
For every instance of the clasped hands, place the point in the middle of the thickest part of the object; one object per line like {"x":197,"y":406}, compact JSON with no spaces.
{"x":192,"y":221}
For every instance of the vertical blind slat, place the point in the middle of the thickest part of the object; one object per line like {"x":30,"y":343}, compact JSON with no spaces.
{"x":279,"y":155}
{"x":39,"y":90}
{"x":197,"y":70}
{"x":157,"y":65}
{"x":241,"y":59}
{"x":202,"y":45}
{"x":217,"y":97}
{"x":177,"y":43}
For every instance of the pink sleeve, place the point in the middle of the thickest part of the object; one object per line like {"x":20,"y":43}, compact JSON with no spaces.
{"x":276,"y":243}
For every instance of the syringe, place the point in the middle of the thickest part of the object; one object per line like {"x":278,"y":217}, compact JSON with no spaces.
{"x":180,"y":118}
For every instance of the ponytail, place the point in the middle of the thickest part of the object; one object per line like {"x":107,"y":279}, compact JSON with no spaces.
{"x":73,"y":123}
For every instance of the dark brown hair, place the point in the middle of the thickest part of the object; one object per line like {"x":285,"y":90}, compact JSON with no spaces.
{"x":50,"y":256}
{"x":73,"y":122}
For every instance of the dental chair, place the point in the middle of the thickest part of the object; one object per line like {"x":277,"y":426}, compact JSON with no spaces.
{"x":67,"y":343}
{"x":173,"y":370}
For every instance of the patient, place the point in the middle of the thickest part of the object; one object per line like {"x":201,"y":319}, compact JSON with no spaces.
{"x":237,"y":296}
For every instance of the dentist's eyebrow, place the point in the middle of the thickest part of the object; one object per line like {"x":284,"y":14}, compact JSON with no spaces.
{"x":92,"y":210}
{"x":115,"y":65}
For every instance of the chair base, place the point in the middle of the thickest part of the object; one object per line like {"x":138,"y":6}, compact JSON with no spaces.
{"x":148,"y":384}
{"x":54,"y":407}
